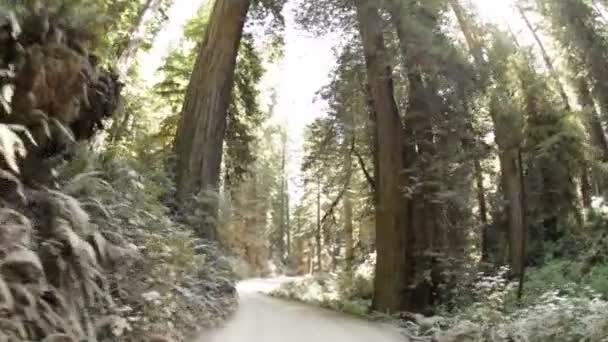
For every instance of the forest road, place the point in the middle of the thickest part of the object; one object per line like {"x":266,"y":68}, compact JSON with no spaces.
{"x":264,"y":319}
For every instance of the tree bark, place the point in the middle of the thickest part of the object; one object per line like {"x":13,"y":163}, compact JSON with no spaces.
{"x":318,"y":231}
{"x":393,"y":274}
{"x":348,"y":216}
{"x":586,"y":189}
{"x":201,"y":131}
{"x":282,"y":194}
{"x":598,"y":140}
{"x":594,"y":123}
{"x":512,"y":191}
{"x":287,"y":222}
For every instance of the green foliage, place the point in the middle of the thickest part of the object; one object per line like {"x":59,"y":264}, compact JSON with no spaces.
{"x":245,"y":114}
{"x":162,"y":288}
{"x":323,"y":290}
{"x":124,"y":16}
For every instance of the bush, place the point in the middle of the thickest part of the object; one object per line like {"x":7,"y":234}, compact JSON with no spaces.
{"x":178,"y":283}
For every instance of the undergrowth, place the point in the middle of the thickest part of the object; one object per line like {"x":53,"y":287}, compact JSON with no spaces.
{"x":565,"y":299}
{"x":180,"y":283}
{"x":100,"y":258}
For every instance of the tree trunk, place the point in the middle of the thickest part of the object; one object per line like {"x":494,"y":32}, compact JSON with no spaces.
{"x":483,"y":210}
{"x":201,"y":131}
{"x":393,"y":275}
{"x":597,"y":138}
{"x":546,"y":57}
{"x":469,"y":33}
{"x":586,"y":190}
{"x":282,"y":195}
{"x":348,"y":217}
{"x":512,"y":191}
{"x":287,"y":222}
{"x":508,"y":159}
{"x":596,"y":130}
{"x":318,"y":230}
{"x":136,"y":36}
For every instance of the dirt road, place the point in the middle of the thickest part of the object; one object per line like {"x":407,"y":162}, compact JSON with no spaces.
{"x":264,"y":319}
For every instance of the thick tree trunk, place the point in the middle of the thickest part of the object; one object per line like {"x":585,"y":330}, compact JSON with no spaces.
{"x":428,"y":234}
{"x":393,"y":275}
{"x":509,"y":166}
{"x":594,"y":123}
{"x":593,"y":183}
{"x":201,"y":131}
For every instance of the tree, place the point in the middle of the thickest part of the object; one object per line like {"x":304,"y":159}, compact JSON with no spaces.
{"x":200,"y":135}
{"x":507,"y":122}
{"x":575,"y":27}
{"x":138,"y":33}
{"x":393,"y":236}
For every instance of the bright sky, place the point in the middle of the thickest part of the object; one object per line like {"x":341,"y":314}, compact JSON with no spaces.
{"x":304,"y":69}
{"x":302,"y":72}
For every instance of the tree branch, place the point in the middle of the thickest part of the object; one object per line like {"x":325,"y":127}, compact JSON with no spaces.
{"x":334,"y":204}
{"x":368,"y":176}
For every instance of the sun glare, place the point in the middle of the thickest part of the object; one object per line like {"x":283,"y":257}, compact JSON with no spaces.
{"x":495,"y":10}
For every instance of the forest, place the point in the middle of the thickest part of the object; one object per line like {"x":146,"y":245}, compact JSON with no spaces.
{"x":452,"y":187}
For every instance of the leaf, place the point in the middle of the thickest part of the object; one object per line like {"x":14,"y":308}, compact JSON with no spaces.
{"x":11,"y":147}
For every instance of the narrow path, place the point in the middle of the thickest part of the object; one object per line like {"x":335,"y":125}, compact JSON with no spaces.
{"x":264,"y":319}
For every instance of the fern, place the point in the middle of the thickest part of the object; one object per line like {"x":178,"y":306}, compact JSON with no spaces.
{"x":12,"y":148}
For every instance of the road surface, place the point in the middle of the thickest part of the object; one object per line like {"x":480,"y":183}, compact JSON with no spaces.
{"x":264,"y":319}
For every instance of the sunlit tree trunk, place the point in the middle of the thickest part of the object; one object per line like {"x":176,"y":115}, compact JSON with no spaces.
{"x":318,"y":230}
{"x":508,"y":158}
{"x":201,"y":131}
{"x":282,"y":200}
{"x":596,"y":135}
{"x":287,"y":222}
{"x":392,"y":271}
{"x":348,"y":216}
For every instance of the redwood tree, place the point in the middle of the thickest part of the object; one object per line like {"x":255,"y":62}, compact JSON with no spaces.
{"x":202,"y":127}
{"x":392,"y":270}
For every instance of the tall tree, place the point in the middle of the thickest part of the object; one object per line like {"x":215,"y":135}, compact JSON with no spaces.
{"x":393,"y":273}
{"x":507,"y":129}
{"x":200,"y":135}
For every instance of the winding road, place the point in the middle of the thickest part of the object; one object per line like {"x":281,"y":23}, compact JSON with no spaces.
{"x":264,"y":319}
